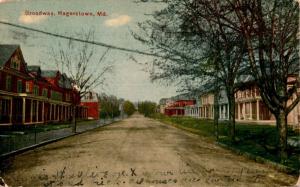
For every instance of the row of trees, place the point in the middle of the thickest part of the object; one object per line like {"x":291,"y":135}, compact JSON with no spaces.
{"x":147,"y":108}
{"x":128,"y":108}
{"x":217,"y":41}
{"x":110,"y":105}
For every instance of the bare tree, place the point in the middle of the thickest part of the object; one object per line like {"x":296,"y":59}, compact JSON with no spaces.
{"x":196,"y":46}
{"x":270,"y":30}
{"x":82,"y":62}
{"x":266,"y":30}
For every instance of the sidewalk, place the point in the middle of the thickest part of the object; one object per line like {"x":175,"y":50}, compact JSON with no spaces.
{"x":11,"y":141}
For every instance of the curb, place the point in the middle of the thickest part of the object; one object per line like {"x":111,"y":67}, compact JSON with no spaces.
{"x":260,"y":159}
{"x":22,"y":150}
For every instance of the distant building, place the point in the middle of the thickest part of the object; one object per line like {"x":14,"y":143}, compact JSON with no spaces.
{"x":223,"y":105}
{"x":193,"y":110}
{"x":249,"y":106}
{"x":90,"y":100}
{"x":177,"y":108}
{"x":207,"y":106}
{"x":163,"y":104}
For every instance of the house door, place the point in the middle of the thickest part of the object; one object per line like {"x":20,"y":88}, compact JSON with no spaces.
{"x":5,"y":110}
{"x":17,"y":110}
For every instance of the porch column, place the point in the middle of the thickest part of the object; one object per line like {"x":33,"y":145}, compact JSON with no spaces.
{"x":257,"y":110}
{"x":10,"y":115}
{"x":50,"y":118}
{"x":250,"y":110}
{"x":37,"y":111}
{"x":65,"y":113}
{"x":43,"y":111}
{"x":244,"y":111}
{"x":199,"y":112}
{"x":220,"y":112}
{"x":69,"y":112}
{"x":54,"y":112}
{"x":239,"y":111}
{"x":202,"y":112}
{"x":23,"y":110}
{"x":31,"y":104}
{"x":58,"y":112}
{"x":228,"y":111}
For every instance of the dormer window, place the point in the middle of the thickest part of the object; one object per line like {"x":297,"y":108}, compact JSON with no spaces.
{"x":15,"y":62}
{"x":36,"y":90}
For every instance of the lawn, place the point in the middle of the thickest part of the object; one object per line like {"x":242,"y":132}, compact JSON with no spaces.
{"x":258,"y":140}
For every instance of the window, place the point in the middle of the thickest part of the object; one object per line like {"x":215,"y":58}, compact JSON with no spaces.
{"x":19,"y":86}
{"x":8,"y":83}
{"x":27,"y":86}
{"x":45,"y":92}
{"x":56,"y":95}
{"x":15,"y":62}
{"x":68,"y":97}
{"x":36,"y":90}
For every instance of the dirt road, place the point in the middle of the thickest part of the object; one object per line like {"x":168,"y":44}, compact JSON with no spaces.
{"x":137,"y":152}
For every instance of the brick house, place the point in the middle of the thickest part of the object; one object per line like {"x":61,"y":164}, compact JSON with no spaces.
{"x":177,"y":108}
{"x":29,"y":96}
{"x":90,"y":100}
{"x":250,"y":106}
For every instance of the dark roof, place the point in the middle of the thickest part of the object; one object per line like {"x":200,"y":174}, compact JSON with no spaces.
{"x":206,"y":88}
{"x":244,"y":79}
{"x":6,"y":51}
{"x":184,"y":96}
{"x":65,"y":82}
{"x":33,"y":68}
{"x":163,"y":101}
{"x":49,"y":73}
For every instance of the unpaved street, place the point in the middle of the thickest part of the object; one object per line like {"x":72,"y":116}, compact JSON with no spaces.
{"x":137,"y":152}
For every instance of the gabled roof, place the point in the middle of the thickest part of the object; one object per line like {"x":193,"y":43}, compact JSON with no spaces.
{"x":206,"y":88}
{"x":65,"y":82}
{"x":33,"y":68}
{"x":244,"y":79}
{"x":163,"y":101}
{"x":6,"y":51}
{"x":184,"y":96}
{"x":49,"y":73}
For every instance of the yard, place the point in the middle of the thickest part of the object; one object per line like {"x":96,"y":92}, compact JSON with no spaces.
{"x":254,"y":139}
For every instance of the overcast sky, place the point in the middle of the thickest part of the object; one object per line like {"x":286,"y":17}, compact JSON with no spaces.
{"x":128,"y":80}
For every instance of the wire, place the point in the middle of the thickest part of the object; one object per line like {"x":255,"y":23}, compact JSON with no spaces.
{"x":81,"y":40}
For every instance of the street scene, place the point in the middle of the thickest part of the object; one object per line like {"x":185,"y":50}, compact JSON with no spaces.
{"x":149,"y":93}
{"x":138,"y":152}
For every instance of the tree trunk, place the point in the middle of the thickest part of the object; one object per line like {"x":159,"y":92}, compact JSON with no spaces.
{"x":231,"y":103}
{"x":216,"y":112}
{"x":281,"y":123}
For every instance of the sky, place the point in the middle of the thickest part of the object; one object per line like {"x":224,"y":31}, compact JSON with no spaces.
{"x":129,"y":80}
